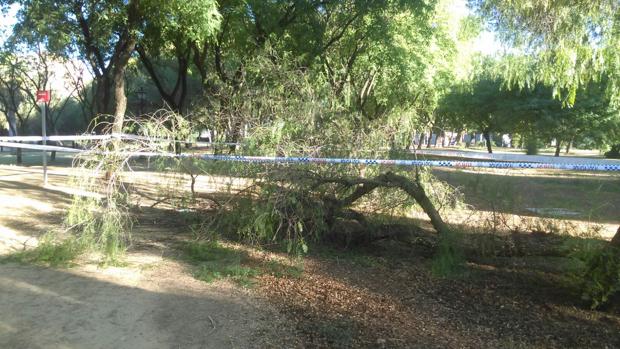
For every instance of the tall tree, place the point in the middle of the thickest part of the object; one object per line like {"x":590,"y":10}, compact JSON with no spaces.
{"x":563,"y":44}
{"x":105,"y":35}
{"x":569,"y":42}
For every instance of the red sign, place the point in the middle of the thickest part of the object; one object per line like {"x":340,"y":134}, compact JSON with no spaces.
{"x":43,"y":96}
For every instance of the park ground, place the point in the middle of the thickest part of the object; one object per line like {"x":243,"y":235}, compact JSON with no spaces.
{"x":384,"y":296}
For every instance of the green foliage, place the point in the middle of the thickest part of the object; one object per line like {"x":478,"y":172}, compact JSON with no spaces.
{"x":614,"y":152}
{"x":571,"y":45}
{"x":101,"y":228}
{"x":50,"y":251}
{"x":449,"y":260}
{"x":93,"y":228}
{"x":602,"y":276}
{"x":215,"y":261}
{"x":532,"y":145}
{"x":598,"y":272}
{"x":282,"y":215}
{"x":488,"y":103}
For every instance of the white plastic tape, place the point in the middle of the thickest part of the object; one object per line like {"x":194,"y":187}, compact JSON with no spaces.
{"x":39,"y":147}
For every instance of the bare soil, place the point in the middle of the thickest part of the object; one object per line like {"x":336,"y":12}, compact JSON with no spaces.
{"x":152,"y":302}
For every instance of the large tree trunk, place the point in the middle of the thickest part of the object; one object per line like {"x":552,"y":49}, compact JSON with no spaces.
{"x":103,"y":97}
{"x":615,"y":241}
{"x":10,"y":118}
{"x":123,"y":50}
{"x":487,"y":138}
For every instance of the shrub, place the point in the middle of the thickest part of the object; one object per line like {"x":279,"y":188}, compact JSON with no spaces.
{"x":602,"y":276}
{"x":614,"y":152}
{"x":531,"y":146}
{"x":449,"y":259}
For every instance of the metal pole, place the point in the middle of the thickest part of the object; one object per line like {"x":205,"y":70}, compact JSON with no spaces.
{"x":44,"y":142}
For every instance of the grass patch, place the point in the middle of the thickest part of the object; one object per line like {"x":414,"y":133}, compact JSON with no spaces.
{"x":215,"y":261}
{"x":281,"y":270}
{"x":51,"y":251}
{"x":449,"y":260}
{"x":212,"y":271}
{"x":356,"y":256}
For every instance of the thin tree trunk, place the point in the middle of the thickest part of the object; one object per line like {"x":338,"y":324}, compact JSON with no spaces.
{"x":408,"y":141}
{"x":416,"y":190}
{"x":472,"y":138}
{"x":12,"y":121}
{"x":568,"y":145}
{"x":487,"y":138}
{"x":391,"y":180}
{"x":430,"y":138}
{"x":558,"y":147}
{"x":459,"y":135}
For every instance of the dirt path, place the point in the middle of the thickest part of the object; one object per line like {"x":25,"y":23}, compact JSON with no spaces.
{"x":151,"y":303}
{"x":48,"y":308}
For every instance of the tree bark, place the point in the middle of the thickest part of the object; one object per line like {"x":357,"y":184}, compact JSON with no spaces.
{"x":487,"y":138}
{"x":416,"y":190}
{"x":120,"y":99}
{"x":102,"y":96}
{"x":12,"y":121}
{"x":176,"y":97}
{"x":568,"y":145}
{"x":122,"y":53}
{"x":388,"y":180}
{"x":615,"y":241}
{"x":459,"y":135}
{"x":430,"y":138}
{"x":558,"y":147}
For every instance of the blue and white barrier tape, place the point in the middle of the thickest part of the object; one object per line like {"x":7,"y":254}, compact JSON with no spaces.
{"x":349,"y":161}
{"x":423,"y":163}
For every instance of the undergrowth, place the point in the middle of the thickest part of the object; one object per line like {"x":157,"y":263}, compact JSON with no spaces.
{"x":50,"y":251}
{"x":449,"y":260}
{"x":214,"y":260}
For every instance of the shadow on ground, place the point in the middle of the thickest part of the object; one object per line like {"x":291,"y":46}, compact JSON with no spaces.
{"x":372,"y":297}
{"x":46,"y":308}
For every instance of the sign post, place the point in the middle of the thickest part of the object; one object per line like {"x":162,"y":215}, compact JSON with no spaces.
{"x":43,"y":97}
